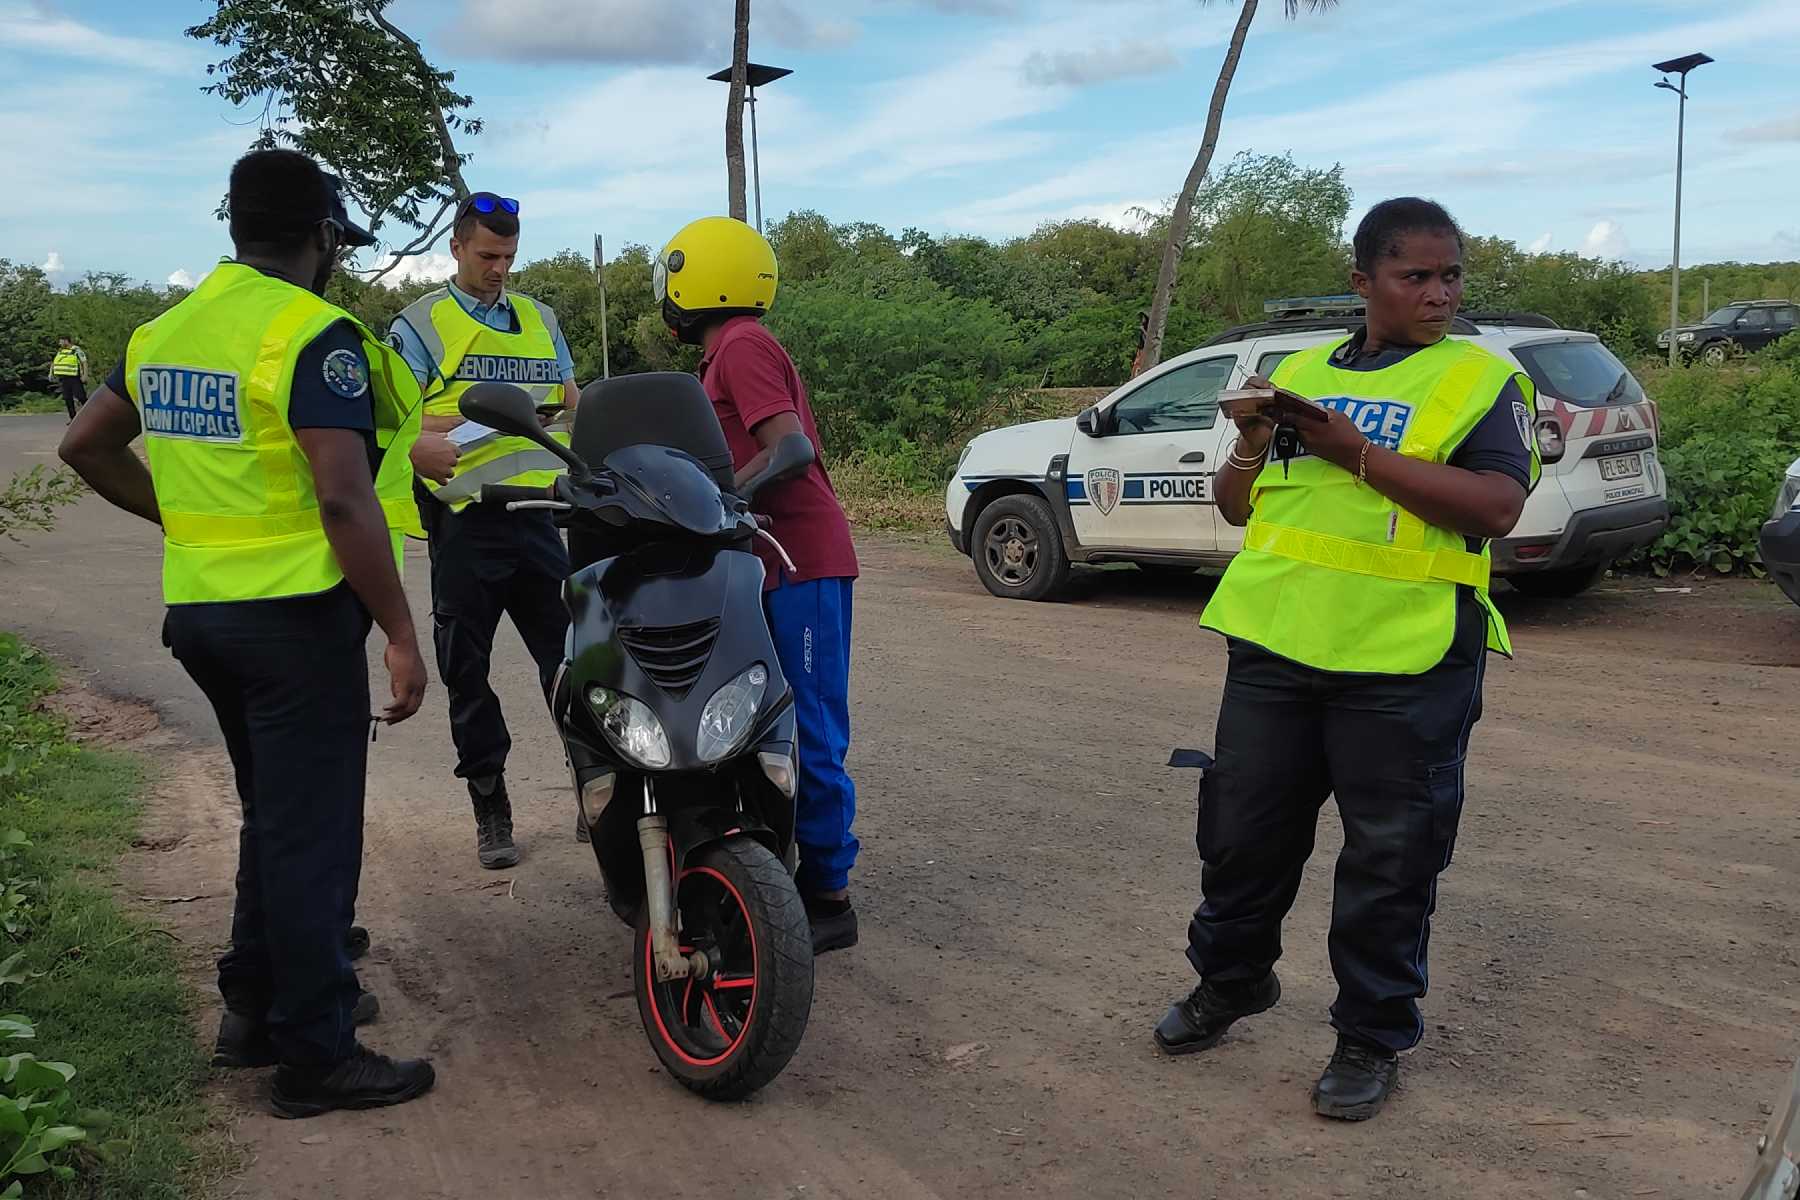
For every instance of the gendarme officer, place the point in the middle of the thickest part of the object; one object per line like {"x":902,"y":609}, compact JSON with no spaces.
{"x":278,"y":431}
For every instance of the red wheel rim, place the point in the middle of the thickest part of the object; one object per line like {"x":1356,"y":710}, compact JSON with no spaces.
{"x":703,"y":1022}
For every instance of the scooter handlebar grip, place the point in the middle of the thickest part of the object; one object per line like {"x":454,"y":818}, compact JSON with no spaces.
{"x":506,"y":493}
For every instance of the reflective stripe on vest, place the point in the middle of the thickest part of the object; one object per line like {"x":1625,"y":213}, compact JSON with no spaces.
{"x":211,"y":379}
{"x":66,"y":362}
{"x":468,"y":352}
{"x":1338,"y":577}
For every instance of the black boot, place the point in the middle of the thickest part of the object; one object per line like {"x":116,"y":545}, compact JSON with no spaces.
{"x":833,"y":924}
{"x":243,"y":1043}
{"x":364,"y":1080}
{"x":1357,"y":1082}
{"x":1198,"y":1022}
{"x":493,"y":823}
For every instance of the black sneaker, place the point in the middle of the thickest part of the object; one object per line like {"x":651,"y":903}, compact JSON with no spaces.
{"x":833,"y":924}
{"x":364,"y":1080}
{"x":1198,"y":1022}
{"x":493,"y":824}
{"x":243,"y":1043}
{"x":1357,"y":1082}
{"x":357,"y":943}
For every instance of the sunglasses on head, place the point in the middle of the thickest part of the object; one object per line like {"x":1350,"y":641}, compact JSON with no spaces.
{"x":486,"y":202}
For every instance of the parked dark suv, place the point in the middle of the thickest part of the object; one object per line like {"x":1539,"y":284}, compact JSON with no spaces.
{"x":1741,"y":327}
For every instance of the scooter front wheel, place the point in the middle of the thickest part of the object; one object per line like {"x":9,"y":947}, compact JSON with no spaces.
{"x":729,"y":1033}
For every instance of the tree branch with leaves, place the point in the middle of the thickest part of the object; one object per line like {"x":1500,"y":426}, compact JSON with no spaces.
{"x":339,"y":81}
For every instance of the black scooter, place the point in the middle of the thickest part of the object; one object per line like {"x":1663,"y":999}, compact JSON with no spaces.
{"x":676,"y":719}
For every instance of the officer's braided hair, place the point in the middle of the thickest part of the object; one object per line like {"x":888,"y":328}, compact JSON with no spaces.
{"x":277,"y":199}
{"x":1379,"y":233}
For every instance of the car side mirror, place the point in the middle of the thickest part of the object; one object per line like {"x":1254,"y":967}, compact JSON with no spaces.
{"x":506,"y":408}
{"x":793,"y":454}
{"x":1089,"y":422}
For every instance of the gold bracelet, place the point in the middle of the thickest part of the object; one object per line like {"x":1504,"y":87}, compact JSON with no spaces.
{"x":1362,"y":464}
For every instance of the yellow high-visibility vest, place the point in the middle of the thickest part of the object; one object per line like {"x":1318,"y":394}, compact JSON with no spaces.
{"x":1337,"y":576}
{"x":211,"y":379}
{"x":468,"y":352}
{"x":66,"y":363}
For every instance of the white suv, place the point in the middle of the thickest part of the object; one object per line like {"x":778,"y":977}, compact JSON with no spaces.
{"x":1130,"y":480}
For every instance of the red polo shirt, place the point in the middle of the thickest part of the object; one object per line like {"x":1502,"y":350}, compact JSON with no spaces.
{"x":750,"y":378}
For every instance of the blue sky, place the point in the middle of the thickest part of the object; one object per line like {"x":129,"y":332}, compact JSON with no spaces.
{"x":1531,"y":119}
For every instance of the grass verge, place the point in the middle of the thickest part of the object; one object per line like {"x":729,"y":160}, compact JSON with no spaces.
{"x":108,"y":998}
{"x":32,"y":402}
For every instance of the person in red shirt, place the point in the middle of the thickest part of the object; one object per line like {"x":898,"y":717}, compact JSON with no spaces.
{"x":715,"y":281}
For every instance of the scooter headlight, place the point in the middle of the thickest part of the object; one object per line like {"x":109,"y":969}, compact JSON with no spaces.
{"x":631,"y":727}
{"x":728,"y":718}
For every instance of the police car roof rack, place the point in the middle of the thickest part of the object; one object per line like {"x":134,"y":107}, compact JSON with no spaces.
{"x":1525,"y":320}
{"x":1242,"y":333}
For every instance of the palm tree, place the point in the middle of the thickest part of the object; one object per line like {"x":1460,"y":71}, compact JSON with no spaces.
{"x":1182,"y":218}
{"x":734,"y":113}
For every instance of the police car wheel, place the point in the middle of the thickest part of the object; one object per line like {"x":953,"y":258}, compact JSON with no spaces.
{"x":1018,"y":549}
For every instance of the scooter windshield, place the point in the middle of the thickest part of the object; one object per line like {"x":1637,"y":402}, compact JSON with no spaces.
{"x":673,"y":486}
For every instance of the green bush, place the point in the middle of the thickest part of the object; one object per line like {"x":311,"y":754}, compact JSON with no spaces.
{"x":1727,"y":437}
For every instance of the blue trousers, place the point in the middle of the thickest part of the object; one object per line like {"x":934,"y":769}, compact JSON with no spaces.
{"x":811,"y":625}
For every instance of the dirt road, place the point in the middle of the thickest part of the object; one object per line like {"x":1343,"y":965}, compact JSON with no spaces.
{"x":1614,"y":960}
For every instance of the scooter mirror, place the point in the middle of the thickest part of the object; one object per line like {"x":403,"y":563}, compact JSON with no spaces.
{"x":793,"y":454}
{"x":506,"y":408}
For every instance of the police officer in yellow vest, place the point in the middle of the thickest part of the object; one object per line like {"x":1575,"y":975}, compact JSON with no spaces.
{"x":278,"y":431}
{"x":69,"y":372}
{"x":483,"y":562}
{"x":1358,"y":621}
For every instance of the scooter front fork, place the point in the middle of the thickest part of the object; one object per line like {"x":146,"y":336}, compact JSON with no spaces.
{"x":659,"y":895}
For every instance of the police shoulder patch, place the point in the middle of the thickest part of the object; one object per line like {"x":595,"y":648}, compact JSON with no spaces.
{"x":346,"y":374}
{"x":1522,"y":418}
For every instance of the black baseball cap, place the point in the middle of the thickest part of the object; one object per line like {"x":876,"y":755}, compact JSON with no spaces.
{"x":280,"y":193}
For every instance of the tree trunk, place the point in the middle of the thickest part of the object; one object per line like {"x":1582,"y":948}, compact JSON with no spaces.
{"x":734,"y":114}
{"x":428,"y":92}
{"x":1181,"y":219}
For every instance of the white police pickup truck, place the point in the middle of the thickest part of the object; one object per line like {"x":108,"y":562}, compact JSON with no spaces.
{"x":1130,"y":480}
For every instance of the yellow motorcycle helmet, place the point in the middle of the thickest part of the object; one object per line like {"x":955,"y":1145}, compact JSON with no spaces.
{"x":715,"y":267}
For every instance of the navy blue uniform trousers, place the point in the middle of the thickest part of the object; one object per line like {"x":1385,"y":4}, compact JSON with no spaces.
{"x":1390,"y":748}
{"x":486,"y":561}
{"x":289,"y":682}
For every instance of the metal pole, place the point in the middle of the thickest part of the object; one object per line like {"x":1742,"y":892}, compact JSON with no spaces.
{"x":755,"y":160}
{"x":1675,"y":267}
{"x":1705,"y":297}
{"x":600,"y":278}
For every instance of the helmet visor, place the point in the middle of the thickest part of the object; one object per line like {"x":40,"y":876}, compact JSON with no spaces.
{"x":659,"y":279}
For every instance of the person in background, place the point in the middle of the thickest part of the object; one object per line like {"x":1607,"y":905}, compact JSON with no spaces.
{"x":279,"y":432}
{"x":715,"y":280}
{"x":1358,"y":623}
{"x":485,"y":563}
{"x":69,"y":372}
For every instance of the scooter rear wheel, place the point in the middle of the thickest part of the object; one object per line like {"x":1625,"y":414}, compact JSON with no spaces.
{"x":727,"y":1035}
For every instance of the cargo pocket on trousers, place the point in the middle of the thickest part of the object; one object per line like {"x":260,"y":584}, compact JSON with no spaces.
{"x":1206,"y":834}
{"x":1444,"y":787}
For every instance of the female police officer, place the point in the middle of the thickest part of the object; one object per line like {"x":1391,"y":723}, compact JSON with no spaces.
{"x":1357,"y":619}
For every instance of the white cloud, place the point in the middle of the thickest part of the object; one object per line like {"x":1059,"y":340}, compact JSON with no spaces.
{"x":1606,"y":240}
{"x":1099,"y":64}
{"x":1782,"y":129}
{"x":1541,"y":245}
{"x":181,"y":277}
{"x":423,"y":268}
{"x":631,"y":31}
{"x":53,"y":263}
{"x":40,"y":29}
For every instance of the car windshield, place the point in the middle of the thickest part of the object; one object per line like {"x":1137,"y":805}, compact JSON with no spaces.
{"x":1723,"y":316}
{"x":1585,"y":374}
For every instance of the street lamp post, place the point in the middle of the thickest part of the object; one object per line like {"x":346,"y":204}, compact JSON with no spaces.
{"x":755,"y":75}
{"x":1677,"y":66}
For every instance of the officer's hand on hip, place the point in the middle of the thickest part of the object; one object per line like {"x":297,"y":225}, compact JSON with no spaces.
{"x":1337,"y":440}
{"x":434,"y":457}
{"x":406,"y":674}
